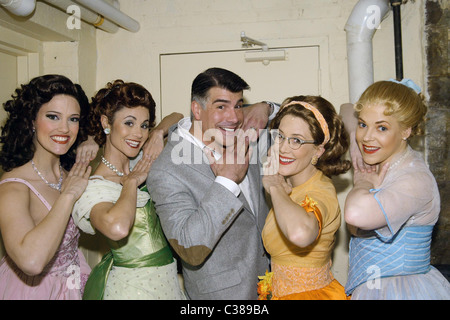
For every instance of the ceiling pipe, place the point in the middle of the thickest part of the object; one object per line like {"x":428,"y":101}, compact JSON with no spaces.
{"x":86,"y":15}
{"x":111,"y":13}
{"x":21,"y":8}
{"x":361,"y":25}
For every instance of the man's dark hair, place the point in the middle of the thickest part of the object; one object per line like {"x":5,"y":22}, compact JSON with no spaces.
{"x":216,"y":77}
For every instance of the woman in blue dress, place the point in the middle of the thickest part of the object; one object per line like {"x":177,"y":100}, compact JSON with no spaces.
{"x":394,"y":203}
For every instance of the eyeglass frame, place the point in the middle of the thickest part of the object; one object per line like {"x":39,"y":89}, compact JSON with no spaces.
{"x":289,"y":139}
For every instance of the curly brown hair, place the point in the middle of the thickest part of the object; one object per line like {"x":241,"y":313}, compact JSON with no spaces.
{"x":17,"y":133}
{"x":331,"y":162}
{"x":114,"y":97}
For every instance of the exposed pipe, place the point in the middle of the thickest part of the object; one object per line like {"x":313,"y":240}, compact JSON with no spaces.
{"x":21,"y":8}
{"x":361,"y":25}
{"x":398,"y":38}
{"x":86,"y":15}
{"x":111,"y":13}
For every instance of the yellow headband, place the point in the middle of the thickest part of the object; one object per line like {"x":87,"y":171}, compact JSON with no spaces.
{"x":318,"y":115}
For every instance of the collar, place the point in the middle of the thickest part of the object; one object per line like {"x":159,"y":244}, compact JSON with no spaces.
{"x":184,"y":125}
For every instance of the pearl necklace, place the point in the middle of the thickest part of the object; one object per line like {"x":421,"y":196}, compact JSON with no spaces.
{"x":396,"y":163}
{"x":112,"y":167}
{"x":56,"y":186}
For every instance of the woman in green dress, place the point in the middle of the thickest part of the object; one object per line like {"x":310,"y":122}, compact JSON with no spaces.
{"x":140,"y":264}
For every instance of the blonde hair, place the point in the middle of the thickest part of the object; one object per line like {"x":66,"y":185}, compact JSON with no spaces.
{"x":401,"y":102}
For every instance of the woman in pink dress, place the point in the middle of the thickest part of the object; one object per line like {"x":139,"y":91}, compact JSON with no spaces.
{"x":39,"y":188}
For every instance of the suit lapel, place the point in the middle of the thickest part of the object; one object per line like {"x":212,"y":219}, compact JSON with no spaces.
{"x":184,"y":152}
{"x":254,"y":180}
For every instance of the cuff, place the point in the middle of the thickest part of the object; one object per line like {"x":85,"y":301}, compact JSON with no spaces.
{"x":229,"y":184}
{"x":274,"y":108}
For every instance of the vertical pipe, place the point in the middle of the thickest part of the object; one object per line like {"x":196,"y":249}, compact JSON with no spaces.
{"x":397,"y":39}
{"x":360,"y":28}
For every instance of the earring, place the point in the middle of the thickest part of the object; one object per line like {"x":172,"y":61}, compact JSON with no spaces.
{"x":107,"y":130}
{"x":314,"y":160}
{"x":404,"y":139}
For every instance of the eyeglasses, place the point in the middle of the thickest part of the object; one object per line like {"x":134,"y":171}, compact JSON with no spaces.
{"x":293,"y":142}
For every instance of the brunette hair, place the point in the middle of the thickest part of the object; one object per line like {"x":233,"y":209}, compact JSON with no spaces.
{"x":17,"y":133}
{"x":114,"y":97}
{"x":401,"y":102}
{"x":331,"y":162}
{"x":215,"y":77}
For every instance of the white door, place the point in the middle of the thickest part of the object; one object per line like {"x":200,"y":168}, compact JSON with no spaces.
{"x":298,"y":74}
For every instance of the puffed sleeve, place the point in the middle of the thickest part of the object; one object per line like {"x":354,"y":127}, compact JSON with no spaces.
{"x":100,"y":190}
{"x":97,"y":191}
{"x":405,"y":196}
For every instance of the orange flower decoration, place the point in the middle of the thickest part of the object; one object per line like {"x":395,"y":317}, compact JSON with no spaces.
{"x":265,"y":286}
{"x":311,"y":206}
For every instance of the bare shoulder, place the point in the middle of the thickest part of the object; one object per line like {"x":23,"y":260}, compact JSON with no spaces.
{"x":13,"y":193}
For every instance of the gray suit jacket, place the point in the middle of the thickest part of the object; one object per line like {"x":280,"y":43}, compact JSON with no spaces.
{"x":214,"y":232}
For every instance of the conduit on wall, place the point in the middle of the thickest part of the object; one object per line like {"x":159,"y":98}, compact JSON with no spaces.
{"x":86,"y":15}
{"x":360,"y":28}
{"x":111,"y":13}
{"x":21,"y":8}
{"x":397,"y":38}
{"x":97,"y":12}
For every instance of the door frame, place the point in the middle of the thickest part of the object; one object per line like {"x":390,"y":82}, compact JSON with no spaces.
{"x":26,"y":49}
{"x":183,"y":48}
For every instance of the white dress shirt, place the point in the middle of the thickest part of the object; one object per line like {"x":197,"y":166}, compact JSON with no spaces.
{"x":183,"y":131}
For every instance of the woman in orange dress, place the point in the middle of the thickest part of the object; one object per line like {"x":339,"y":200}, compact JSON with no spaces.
{"x":299,"y":233}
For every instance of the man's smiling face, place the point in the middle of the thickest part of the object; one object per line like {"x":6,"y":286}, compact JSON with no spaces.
{"x":221,"y":117}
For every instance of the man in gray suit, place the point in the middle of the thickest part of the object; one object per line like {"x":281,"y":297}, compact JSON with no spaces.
{"x":210,"y":201}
